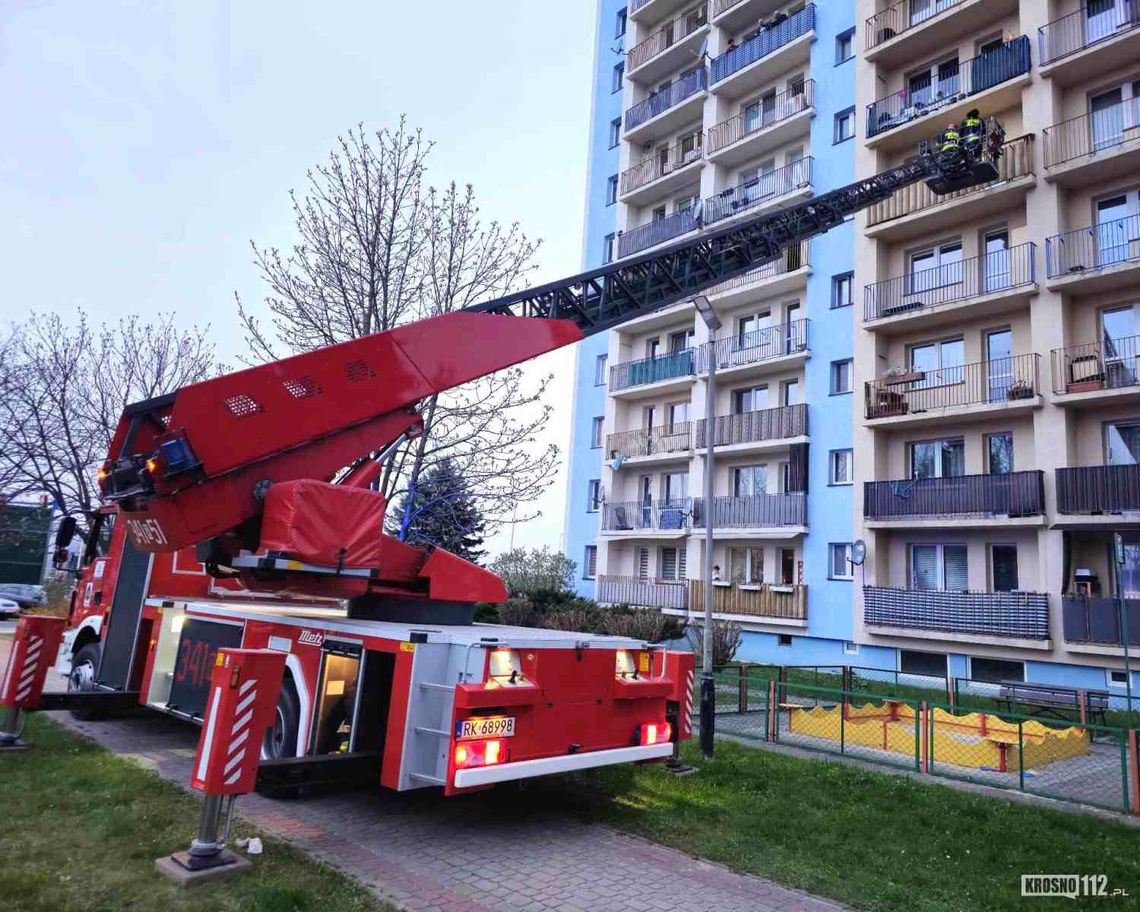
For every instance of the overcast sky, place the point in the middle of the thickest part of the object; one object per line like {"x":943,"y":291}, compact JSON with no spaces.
{"x":143,"y":145}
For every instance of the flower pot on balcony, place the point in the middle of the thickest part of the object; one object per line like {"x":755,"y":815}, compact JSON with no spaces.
{"x":1019,"y":390}
{"x":1085,"y":386}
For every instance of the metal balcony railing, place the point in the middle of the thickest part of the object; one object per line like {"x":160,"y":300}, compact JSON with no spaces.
{"x":642,"y":593}
{"x":635,"y":5}
{"x":662,"y":162}
{"x":761,"y":45}
{"x":793,"y":258}
{"x":1012,"y":494}
{"x":1108,"y":243}
{"x":765,"y":113}
{"x":1010,"y":378}
{"x":675,"y":438}
{"x":753,"y":512}
{"x":720,"y":6}
{"x":1097,"y":620}
{"x":991,"y":273}
{"x":1098,"y":489}
{"x":758,"y":191}
{"x":1089,"y":134}
{"x":758,"y":345}
{"x":1109,"y":364}
{"x":651,"y":370}
{"x":901,"y":17}
{"x":1024,"y":615}
{"x":763,"y":600}
{"x":657,"y":232}
{"x":1016,"y":161}
{"x":754,"y":427}
{"x":668,"y":35}
{"x":659,"y":102}
{"x":967,"y":78}
{"x":664,"y":515}
{"x":1082,"y":29}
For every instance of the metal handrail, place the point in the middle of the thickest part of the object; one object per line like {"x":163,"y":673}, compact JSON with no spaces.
{"x":1072,"y":33}
{"x":764,"y":43}
{"x":758,"y":345}
{"x":666,"y":36}
{"x":720,"y":6}
{"x":1099,"y":246}
{"x":894,"y":20}
{"x":673,"y":438}
{"x":1010,"y":378}
{"x":659,"y":102}
{"x":758,"y":190}
{"x":662,"y":162}
{"x":1108,"y":364}
{"x":795,"y":257}
{"x":752,"y":427}
{"x":615,"y":589}
{"x":1098,"y":489}
{"x":1095,"y":619}
{"x":657,"y":232}
{"x":669,"y":366}
{"x":664,"y":515}
{"x":786,"y":104}
{"x":753,"y":511}
{"x":1010,"y":494}
{"x":1089,"y":134}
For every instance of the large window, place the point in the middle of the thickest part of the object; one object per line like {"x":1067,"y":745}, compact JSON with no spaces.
{"x":996,"y":670}
{"x":935,"y":268}
{"x":1003,"y":568}
{"x":746,"y":565}
{"x":999,"y":453}
{"x":590,"y":562}
{"x":750,"y":399}
{"x":839,"y":561}
{"x":913,"y":661}
{"x":938,"y":362}
{"x":938,"y":458}
{"x":748,"y":481}
{"x":673,"y":564}
{"x":938,"y":568}
{"x":674,"y":486}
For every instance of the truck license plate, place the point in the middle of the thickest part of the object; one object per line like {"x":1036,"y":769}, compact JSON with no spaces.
{"x":485,"y":727}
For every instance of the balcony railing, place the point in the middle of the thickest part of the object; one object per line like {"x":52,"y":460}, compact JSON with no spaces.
{"x":894,"y":20}
{"x":961,"y":81}
{"x":666,"y":36}
{"x":793,"y":258}
{"x":675,"y":438}
{"x":1109,"y":243}
{"x":755,"y":427}
{"x":1097,"y":620}
{"x":1110,"y":364}
{"x":1016,"y":161}
{"x":992,"y":273}
{"x":635,"y":5}
{"x":1012,"y":494}
{"x":766,"y":42}
{"x":1080,"y":30}
{"x":753,"y":512}
{"x":757,"y":345}
{"x":677,"y":91}
{"x":651,"y":370}
{"x":719,"y":6}
{"x":664,"y":515}
{"x":765,"y":113}
{"x":1024,"y":615}
{"x":661,"y":163}
{"x":1098,"y":489}
{"x":758,"y":191}
{"x":630,"y":590}
{"x":1089,"y":134}
{"x":763,"y":600}
{"x":1011,"y":378}
{"x":657,"y":232}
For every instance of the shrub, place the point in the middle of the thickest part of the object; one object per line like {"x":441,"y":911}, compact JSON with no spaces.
{"x":529,"y":571}
{"x":519,"y":612}
{"x":725,"y":641}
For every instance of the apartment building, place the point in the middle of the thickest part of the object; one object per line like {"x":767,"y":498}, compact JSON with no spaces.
{"x":727,"y":109}
{"x":997,"y":434}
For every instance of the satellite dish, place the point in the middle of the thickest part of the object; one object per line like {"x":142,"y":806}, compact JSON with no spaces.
{"x":617,"y":461}
{"x":858,"y":552}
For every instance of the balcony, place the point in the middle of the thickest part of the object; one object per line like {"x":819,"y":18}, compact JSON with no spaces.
{"x":630,"y":590}
{"x":1102,"y":493}
{"x":660,"y":174}
{"x":1016,"y":615}
{"x":992,"y":80}
{"x":786,"y":512}
{"x":766,"y":426}
{"x":657,"y":232}
{"x":669,"y":108}
{"x":672,"y":47}
{"x":1080,"y":46}
{"x":793,"y":181}
{"x":785,"y":605}
{"x":647,"y":443}
{"x":918,"y":209}
{"x":672,"y":370}
{"x":772,"y":347}
{"x":915,"y":397}
{"x":780,"y":275}
{"x":1097,"y":620}
{"x":670,"y":517}
{"x":769,"y":125}
{"x":757,"y":61}
{"x":1098,"y":371}
{"x":1097,"y":258}
{"x":1094,"y":147}
{"x":908,"y":31}
{"x":1002,"y":280}
{"x":1017,"y":498}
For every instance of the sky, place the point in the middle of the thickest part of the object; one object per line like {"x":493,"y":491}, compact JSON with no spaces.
{"x":144,"y":145}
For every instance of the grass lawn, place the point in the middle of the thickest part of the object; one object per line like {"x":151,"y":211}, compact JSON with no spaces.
{"x":81,"y":828}
{"x":874,"y":841}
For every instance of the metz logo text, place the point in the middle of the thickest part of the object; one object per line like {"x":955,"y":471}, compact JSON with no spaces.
{"x":1069,"y":886}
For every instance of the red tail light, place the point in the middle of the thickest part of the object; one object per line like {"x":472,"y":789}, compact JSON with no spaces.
{"x":655,"y":733}
{"x":479,"y":753}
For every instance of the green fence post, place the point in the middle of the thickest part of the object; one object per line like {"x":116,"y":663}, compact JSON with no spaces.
{"x":843,"y":724}
{"x":742,"y":695}
{"x":921,"y":762}
{"x":1133,"y":773}
{"x":1021,"y":755}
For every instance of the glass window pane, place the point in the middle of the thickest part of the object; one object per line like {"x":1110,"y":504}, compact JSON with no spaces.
{"x":954,"y":564}
{"x":953,"y":458}
{"x":1004,"y":559}
{"x":924,"y":567}
{"x":1000,"y":447}
{"x":923,"y":460}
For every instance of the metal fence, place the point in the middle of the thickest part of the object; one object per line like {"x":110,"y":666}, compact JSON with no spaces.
{"x":1108,"y":243}
{"x":1088,"y":619}
{"x":752,"y":427}
{"x":1024,"y":615}
{"x":651,"y":370}
{"x":1113,"y":363}
{"x":753,"y":512}
{"x":1098,"y":489}
{"x":758,"y":190}
{"x":1089,"y":134}
{"x":763,"y":43}
{"x":657,"y":232}
{"x":901,"y":17}
{"x":795,"y":257}
{"x":758,"y":345}
{"x":664,"y":38}
{"x":1009,"y":494}
{"x":953,"y":84}
{"x":1010,"y":378}
{"x":665,"y":515}
{"x":632,"y":590}
{"x":675,"y":438}
{"x":1084,"y":28}
{"x":677,"y":91}
{"x":661,"y":163}
{"x":768,"y":111}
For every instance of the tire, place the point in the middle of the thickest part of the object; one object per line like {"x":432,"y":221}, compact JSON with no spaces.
{"x":281,"y":738}
{"x":84,"y":669}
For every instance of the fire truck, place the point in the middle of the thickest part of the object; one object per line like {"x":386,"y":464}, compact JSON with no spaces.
{"x":240,"y":512}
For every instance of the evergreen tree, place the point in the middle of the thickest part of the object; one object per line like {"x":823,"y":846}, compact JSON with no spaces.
{"x":441,"y":511}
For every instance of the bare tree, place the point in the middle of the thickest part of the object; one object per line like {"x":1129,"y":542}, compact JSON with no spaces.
{"x":377,"y":248}
{"x":63,"y":386}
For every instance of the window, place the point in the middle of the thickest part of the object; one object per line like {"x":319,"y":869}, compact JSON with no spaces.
{"x":783,"y":639}
{"x":600,"y":370}
{"x":674,"y":486}
{"x":749,"y":481}
{"x":1116,"y":679}
{"x":1003,"y":568}
{"x":843,"y":290}
{"x":750,"y":399}
{"x":839,"y":566}
{"x":611,"y":189}
{"x":938,"y":459}
{"x":996,"y":670}
{"x":999,"y":453}
{"x":844,"y":126}
{"x":851,"y":649}
{"x":615,"y":132}
{"x":844,"y":46}
{"x":939,"y":363}
{"x":642,"y":556}
{"x":677,"y":414}
{"x":841,"y":377}
{"x":936,"y":268}
{"x":621,"y":23}
{"x":934,"y":81}
{"x":938,"y":568}
{"x":619,"y":73}
{"x":608,"y":248}
{"x":596,"y":430}
{"x":746,"y":565}
{"x":673,"y":564}
{"x":682,"y":340}
{"x":790,"y":392}
{"x":590,"y":562}
{"x":840,"y":469}
{"x":912,"y":661}
{"x":593,"y":495}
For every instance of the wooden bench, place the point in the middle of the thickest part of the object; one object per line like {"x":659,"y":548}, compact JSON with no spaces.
{"x":1049,"y":700}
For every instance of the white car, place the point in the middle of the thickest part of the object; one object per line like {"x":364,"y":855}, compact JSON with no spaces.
{"x":8,"y":608}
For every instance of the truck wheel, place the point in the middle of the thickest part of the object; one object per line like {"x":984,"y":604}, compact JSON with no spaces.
{"x":281,"y":737}
{"x":84,"y":668}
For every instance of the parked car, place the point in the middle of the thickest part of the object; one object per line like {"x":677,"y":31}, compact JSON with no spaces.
{"x":9,"y":609}
{"x":26,"y":595}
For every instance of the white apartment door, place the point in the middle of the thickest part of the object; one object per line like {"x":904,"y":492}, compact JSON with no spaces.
{"x":1118,"y":336}
{"x":995,"y":268}
{"x":645,"y":498}
{"x":793,"y":340}
{"x":999,"y":364}
{"x":1113,"y":217}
